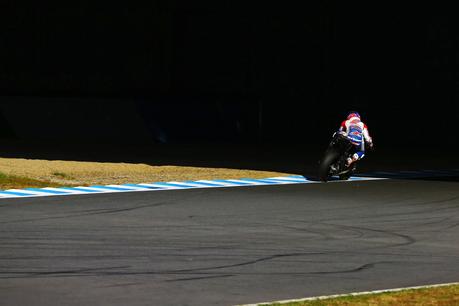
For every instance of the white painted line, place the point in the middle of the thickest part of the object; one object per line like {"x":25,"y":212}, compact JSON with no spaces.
{"x":325,"y":297}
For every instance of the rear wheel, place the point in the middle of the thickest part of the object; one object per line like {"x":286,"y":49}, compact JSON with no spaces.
{"x":324,"y":168}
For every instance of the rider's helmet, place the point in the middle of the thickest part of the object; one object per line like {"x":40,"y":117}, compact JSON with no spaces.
{"x":353,"y":114}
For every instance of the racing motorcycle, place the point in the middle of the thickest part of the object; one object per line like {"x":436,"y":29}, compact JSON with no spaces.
{"x":333,"y":162}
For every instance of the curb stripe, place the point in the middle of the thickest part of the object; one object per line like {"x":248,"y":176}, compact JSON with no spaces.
{"x":67,"y":189}
{"x":222,"y":183}
{"x":217,"y":184}
{"x":135,"y":186}
{"x":234,"y":182}
{"x":189,"y":184}
{"x":149,"y":186}
{"x":96,"y":189}
{"x":110,"y":187}
{"x":171,"y":185}
{"x":286,"y":178}
{"x":204,"y":183}
{"x":127,"y":188}
{"x":8,"y":192}
{"x":80,"y":189}
{"x":46,"y":190}
{"x":280,"y":180}
{"x":257,"y":181}
{"x":25,"y":191}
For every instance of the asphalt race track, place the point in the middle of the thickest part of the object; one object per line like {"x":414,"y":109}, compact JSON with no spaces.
{"x":228,"y":246}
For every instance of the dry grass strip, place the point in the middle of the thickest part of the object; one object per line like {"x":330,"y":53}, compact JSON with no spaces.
{"x":95,"y":173}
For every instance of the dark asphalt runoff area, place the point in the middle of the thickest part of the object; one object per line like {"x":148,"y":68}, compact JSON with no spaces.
{"x":227,"y":246}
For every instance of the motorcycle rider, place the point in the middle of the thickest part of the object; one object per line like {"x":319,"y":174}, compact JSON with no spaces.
{"x":357,"y":132}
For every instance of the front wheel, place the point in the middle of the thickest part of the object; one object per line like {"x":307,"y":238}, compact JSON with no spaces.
{"x":324,"y":168}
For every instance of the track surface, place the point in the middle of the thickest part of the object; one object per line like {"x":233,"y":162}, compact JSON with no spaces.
{"x":228,"y":246}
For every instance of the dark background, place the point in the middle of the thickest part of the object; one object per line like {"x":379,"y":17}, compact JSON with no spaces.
{"x":164,"y":73}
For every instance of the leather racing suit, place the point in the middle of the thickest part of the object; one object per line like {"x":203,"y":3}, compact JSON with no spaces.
{"x":357,"y":133}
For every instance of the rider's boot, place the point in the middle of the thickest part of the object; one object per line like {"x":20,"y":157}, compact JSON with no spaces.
{"x":350,"y":160}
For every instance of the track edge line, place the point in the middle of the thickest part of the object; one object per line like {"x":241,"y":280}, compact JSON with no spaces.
{"x":325,"y":297}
